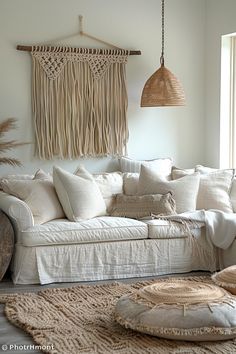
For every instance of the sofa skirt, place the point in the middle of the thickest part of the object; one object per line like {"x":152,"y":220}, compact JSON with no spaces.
{"x":111,"y":260}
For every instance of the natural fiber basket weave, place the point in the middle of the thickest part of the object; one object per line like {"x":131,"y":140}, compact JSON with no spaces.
{"x":182,"y":292}
{"x":162,"y":89}
{"x":226,"y":279}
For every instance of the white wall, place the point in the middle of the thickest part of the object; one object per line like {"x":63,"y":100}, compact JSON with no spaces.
{"x":220,"y":20}
{"x":177,"y":132}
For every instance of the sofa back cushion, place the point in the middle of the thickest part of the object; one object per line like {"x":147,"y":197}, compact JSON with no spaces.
{"x":137,"y":207}
{"x":109,"y":184}
{"x":39,"y":195}
{"x":161,"y":165}
{"x":215,"y":191}
{"x":131,"y":183}
{"x":79,"y":194}
{"x":184,"y":190}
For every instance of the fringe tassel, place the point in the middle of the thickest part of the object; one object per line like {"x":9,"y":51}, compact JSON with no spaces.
{"x":77,"y":115}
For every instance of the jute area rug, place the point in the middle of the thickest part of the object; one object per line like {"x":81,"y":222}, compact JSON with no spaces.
{"x":79,"y":320}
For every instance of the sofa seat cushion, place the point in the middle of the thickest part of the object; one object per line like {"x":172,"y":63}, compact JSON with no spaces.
{"x":159,"y":228}
{"x":100,"y":229}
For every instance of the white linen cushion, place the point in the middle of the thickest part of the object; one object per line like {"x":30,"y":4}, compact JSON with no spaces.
{"x":79,"y":194}
{"x":131,"y":183}
{"x":184,"y":190}
{"x":109,"y":184}
{"x":40,"y":174}
{"x":100,"y":229}
{"x":165,"y":229}
{"x":161,"y":165}
{"x":214,"y":191}
{"x":155,"y":310}
{"x":181,"y":172}
{"x":233,"y":194}
{"x":17,"y":177}
{"x":39,"y":195}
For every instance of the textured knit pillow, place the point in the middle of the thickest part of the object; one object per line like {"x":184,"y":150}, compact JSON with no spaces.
{"x":161,"y":165}
{"x":184,"y":190}
{"x":79,"y":194}
{"x":39,"y":195}
{"x":137,"y":207}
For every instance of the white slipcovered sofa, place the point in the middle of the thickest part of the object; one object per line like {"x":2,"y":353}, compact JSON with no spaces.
{"x":101,"y":248}
{"x":105,"y":247}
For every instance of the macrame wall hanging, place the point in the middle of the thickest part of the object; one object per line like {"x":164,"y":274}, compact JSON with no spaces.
{"x":79,"y":101}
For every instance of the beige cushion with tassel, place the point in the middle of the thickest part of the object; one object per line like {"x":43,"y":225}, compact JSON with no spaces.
{"x":137,"y":207}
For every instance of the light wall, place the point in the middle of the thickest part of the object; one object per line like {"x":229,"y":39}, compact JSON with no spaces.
{"x":220,"y":20}
{"x":178,"y":132}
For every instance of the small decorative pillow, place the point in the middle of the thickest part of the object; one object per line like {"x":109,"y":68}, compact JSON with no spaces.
{"x":226,"y":279}
{"x":40,"y":195}
{"x":161,"y":165}
{"x":184,"y":190}
{"x":79,"y":194}
{"x":137,"y":207}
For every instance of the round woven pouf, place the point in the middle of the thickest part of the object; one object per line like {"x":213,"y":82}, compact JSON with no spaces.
{"x":181,"y":310}
{"x":226,"y":279}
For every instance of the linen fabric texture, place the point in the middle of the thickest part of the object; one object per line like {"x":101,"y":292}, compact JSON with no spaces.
{"x":39,"y":195}
{"x":162,"y":165}
{"x":217,"y":189}
{"x":137,"y":207}
{"x":79,"y":194}
{"x":109,"y":184}
{"x":184,"y":190}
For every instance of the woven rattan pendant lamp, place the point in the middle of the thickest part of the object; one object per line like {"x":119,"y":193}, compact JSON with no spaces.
{"x":162,"y":88}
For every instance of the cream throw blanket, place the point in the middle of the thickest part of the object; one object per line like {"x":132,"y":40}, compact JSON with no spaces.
{"x":220,"y":226}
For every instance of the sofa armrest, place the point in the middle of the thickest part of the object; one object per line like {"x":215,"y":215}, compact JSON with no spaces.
{"x":17,"y":210}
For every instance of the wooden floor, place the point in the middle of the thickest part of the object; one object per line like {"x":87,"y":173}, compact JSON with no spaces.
{"x":13,"y":336}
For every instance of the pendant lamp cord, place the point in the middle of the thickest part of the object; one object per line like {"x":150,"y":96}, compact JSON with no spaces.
{"x":162,"y":31}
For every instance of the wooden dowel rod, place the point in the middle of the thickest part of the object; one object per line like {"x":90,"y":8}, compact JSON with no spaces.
{"x":28,"y":48}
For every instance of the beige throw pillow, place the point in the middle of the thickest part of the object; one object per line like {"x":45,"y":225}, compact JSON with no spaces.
{"x":109,"y":184}
{"x":79,"y":194}
{"x":161,"y":165}
{"x":137,"y":207}
{"x":184,"y":190}
{"x":181,"y":172}
{"x":214,"y":191}
{"x":40,"y":196}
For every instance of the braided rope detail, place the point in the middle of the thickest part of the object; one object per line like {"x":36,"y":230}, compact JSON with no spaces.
{"x":54,"y":61}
